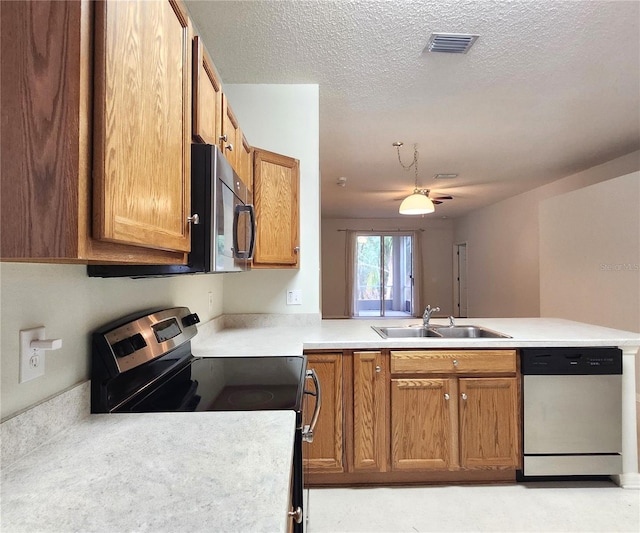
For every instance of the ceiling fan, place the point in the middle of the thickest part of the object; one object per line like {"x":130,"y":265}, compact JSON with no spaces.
{"x":435,"y":199}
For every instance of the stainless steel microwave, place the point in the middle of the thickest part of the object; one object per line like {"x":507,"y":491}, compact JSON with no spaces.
{"x":224,"y":237}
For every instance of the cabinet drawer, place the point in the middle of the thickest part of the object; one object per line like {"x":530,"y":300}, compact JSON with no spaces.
{"x":453,"y":361}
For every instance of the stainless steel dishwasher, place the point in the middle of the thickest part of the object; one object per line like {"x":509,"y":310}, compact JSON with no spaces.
{"x":572,"y":411}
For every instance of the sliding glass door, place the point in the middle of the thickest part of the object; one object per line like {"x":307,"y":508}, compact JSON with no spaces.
{"x":384,"y":275}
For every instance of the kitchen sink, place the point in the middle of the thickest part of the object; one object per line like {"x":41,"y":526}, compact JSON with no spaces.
{"x":404,"y":331}
{"x":447,"y":332}
{"x":468,"y":332}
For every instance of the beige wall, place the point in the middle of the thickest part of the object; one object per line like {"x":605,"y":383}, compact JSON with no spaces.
{"x":502,"y":244}
{"x":282,"y":119}
{"x":70,"y":305}
{"x":590,"y":254}
{"x":437,"y":259}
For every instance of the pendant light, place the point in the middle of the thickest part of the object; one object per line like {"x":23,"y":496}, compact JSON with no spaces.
{"x":417,"y":203}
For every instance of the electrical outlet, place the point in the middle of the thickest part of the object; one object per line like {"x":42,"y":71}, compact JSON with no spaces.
{"x":210,"y":301}
{"x":31,"y":360}
{"x":294,"y":297}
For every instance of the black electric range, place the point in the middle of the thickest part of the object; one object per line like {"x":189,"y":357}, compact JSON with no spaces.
{"x":142,"y":363}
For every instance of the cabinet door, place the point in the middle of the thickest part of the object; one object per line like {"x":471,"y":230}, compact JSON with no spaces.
{"x":245,"y":167}
{"x":276,"y":197}
{"x":422,"y":414}
{"x":488,"y":422}
{"x":325,"y":453}
{"x":231,"y":140}
{"x":44,"y":127}
{"x":207,"y":97}
{"x":369,"y":412}
{"x":142,"y":141}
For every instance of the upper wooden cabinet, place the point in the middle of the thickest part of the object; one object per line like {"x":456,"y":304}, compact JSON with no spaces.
{"x":142,"y":135}
{"x":276,"y":182}
{"x":245,"y":168}
{"x":231,"y":138}
{"x":207,"y":97}
{"x":47,"y":126}
{"x":213,"y":118}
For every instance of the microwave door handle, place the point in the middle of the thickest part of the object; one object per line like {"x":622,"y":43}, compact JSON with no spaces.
{"x":243,"y":254}
{"x":252,"y":241}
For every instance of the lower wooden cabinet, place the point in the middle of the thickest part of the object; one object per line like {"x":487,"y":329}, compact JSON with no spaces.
{"x":411,"y":416}
{"x":489,"y":410}
{"x":325,"y":453}
{"x":422,"y":414}
{"x":444,"y":424}
{"x":369,"y":412}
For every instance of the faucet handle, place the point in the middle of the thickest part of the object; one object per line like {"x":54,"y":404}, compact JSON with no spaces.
{"x":427,"y":314}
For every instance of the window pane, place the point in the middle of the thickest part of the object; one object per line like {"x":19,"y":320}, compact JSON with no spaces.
{"x":368,"y":296}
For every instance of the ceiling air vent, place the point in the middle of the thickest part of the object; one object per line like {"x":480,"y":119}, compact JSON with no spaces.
{"x":445,"y":176}
{"x":450,"y":43}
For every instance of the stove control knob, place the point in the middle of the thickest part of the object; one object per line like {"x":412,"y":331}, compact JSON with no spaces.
{"x":190,"y":320}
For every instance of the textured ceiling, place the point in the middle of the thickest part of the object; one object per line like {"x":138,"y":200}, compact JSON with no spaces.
{"x":550,"y":88}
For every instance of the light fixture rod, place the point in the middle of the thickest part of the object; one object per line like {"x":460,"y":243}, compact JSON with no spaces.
{"x":414,"y":164}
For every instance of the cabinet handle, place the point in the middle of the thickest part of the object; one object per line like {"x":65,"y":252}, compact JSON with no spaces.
{"x":296,"y":515}
{"x":296,"y":250}
{"x":229,"y":147}
{"x":455,"y":362}
{"x":446,"y":395}
{"x":464,"y":396}
{"x":223,"y":138}
{"x":194,"y":219}
{"x":378,"y":369}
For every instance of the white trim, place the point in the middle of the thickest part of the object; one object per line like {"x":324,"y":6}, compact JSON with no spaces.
{"x":627,"y":481}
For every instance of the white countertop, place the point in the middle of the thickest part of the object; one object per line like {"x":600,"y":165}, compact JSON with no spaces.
{"x":210,"y":471}
{"x":357,"y":334}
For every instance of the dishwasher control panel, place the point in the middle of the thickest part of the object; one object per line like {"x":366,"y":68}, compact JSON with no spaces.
{"x":566,"y":361}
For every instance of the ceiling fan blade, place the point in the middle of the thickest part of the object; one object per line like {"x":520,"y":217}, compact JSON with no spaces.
{"x":437,"y":202}
{"x":441,"y":197}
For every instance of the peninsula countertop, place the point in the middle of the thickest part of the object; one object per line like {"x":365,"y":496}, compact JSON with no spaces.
{"x":205,"y":471}
{"x":271,"y":338}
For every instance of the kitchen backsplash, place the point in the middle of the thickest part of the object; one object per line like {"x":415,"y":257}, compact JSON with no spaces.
{"x":28,"y":430}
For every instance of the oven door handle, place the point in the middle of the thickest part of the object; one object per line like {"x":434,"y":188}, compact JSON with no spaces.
{"x":307,"y":430}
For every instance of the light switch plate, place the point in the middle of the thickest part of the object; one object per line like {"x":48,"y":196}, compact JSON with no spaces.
{"x":294,"y":297}
{"x":31,"y":361}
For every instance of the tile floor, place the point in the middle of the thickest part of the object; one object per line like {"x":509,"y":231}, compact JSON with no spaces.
{"x":533,"y":507}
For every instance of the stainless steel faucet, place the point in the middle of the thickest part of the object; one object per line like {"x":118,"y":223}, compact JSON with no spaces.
{"x":427,"y":315}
